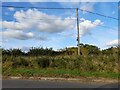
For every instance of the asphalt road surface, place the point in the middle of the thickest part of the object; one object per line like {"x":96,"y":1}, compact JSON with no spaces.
{"x":53,"y":84}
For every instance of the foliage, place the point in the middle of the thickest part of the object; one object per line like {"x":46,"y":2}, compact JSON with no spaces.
{"x":57,"y":73}
{"x":92,"y":59}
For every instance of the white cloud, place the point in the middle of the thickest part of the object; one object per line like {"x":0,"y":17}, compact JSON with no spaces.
{"x":84,"y":5}
{"x":11,"y":9}
{"x":17,"y":34}
{"x":2,"y":41}
{"x":68,"y":34}
{"x":69,"y":4}
{"x":20,"y":35}
{"x":15,"y":25}
{"x":86,"y":25}
{"x":113,"y":43}
{"x":34,"y":19}
{"x":82,"y":19}
{"x":25,"y":49}
{"x":88,"y":6}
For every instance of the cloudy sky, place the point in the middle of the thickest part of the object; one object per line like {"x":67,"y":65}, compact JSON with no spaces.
{"x":56,"y":28}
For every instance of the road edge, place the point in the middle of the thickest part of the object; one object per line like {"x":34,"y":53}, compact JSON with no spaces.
{"x":66,"y":79}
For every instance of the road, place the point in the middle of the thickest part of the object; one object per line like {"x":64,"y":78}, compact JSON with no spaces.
{"x":52,"y":84}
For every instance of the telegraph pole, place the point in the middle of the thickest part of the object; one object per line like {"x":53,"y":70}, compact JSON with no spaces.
{"x":78,"y":33}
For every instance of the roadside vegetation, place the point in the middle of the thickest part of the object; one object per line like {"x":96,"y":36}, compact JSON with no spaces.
{"x":46,"y":62}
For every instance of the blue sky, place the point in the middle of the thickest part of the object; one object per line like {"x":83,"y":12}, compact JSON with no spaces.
{"x":26,"y":27}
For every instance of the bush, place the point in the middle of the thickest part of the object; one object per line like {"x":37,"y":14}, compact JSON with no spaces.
{"x":20,"y":62}
{"x":43,"y":62}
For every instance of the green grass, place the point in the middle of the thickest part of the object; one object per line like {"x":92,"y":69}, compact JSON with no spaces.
{"x":57,"y":73}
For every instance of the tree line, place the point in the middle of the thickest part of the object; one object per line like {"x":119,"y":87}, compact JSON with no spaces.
{"x":40,"y":51}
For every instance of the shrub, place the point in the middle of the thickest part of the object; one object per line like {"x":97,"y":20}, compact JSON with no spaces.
{"x":20,"y":62}
{"x":43,"y":62}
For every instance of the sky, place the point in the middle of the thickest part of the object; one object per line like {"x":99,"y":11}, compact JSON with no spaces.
{"x":56,"y":28}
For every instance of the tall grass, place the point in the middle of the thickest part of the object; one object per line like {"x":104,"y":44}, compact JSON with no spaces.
{"x":92,"y":62}
{"x":82,"y":63}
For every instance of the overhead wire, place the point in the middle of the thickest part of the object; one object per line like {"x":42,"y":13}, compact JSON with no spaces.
{"x":67,"y":18}
{"x":36,"y":7}
{"x":99,"y":14}
{"x":63,"y":8}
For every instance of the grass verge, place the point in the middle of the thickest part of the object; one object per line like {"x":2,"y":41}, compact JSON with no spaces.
{"x":57,"y":73}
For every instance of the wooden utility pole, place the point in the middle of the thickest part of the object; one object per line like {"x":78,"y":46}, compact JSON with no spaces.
{"x":78,"y":36}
